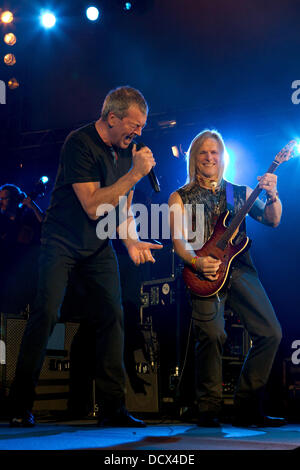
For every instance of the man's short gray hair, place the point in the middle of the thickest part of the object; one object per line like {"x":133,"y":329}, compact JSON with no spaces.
{"x":120,"y":99}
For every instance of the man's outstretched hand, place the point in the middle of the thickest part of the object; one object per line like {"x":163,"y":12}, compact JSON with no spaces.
{"x":140,"y":252}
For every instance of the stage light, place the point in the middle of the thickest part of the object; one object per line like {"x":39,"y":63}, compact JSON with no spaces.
{"x":44,"y":179}
{"x":175,"y":151}
{"x":229,"y":164}
{"x":13,"y":84}
{"x":297,"y":149}
{"x":127,"y":6}
{"x":48,"y":19}
{"x":7,"y":17}
{"x":166,"y":124}
{"x":92,"y":13}
{"x":9,"y":59}
{"x":10,"y":39}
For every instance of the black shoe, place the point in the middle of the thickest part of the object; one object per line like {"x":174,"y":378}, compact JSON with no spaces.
{"x":26,"y":420}
{"x":208,"y":420}
{"x":120,"y":418}
{"x":260,"y":421}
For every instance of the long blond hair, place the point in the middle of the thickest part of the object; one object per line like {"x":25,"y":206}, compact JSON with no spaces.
{"x":193,"y":152}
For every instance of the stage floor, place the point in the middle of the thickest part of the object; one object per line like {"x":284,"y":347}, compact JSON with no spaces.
{"x":165,"y":436}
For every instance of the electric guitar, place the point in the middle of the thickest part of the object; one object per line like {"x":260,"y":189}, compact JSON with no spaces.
{"x":221,"y":244}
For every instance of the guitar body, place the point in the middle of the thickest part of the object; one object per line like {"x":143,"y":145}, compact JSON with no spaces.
{"x":195,"y":281}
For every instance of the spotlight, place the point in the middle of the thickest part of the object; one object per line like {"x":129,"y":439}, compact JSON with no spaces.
{"x":48,"y":19}
{"x":44,"y":179}
{"x":7,"y":17}
{"x":92,"y":13}
{"x":41,"y":186}
{"x":13,"y":84}
{"x":9,"y":59}
{"x":229,"y":163}
{"x":10,"y":39}
{"x":127,"y":6}
{"x":175,"y":151}
{"x":166,"y":124}
{"x":297,"y":149}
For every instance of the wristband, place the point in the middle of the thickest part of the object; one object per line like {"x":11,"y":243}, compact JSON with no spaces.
{"x":193,"y":260}
{"x":271,"y":200}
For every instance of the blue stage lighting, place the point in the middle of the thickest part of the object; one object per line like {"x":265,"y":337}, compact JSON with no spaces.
{"x":44,"y":179}
{"x":48,"y":19}
{"x":127,"y":6}
{"x":297,"y":149}
{"x":229,"y":164}
{"x":92,"y":13}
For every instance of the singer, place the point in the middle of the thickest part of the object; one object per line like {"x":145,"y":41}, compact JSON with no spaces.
{"x":99,"y":164}
{"x":245,"y":295}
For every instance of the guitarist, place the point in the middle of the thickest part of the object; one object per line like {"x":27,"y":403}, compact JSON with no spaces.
{"x":20,"y":229}
{"x":244,"y":294}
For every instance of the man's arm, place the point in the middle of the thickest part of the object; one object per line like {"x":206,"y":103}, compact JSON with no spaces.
{"x":91,"y":195}
{"x":127,"y":229}
{"x":139,"y":252}
{"x":270,"y":212}
{"x":28,"y":202}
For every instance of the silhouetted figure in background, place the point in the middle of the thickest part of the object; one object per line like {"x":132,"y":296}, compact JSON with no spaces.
{"x":20,"y":230}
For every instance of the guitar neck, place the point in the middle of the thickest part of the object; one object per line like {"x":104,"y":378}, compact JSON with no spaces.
{"x":239,"y":217}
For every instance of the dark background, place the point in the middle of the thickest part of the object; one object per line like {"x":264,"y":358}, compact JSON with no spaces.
{"x":219,"y":64}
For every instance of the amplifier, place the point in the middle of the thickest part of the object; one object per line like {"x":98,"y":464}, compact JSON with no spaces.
{"x":237,"y":343}
{"x":157,"y":293}
{"x":238,"y":340}
{"x":231,"y":371}
{"x":142,"y":395}
{"x":160,"y":309}
{"x":53,"y":385}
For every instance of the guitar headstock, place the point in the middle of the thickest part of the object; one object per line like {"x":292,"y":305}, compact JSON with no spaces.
{"x":287,"y":152}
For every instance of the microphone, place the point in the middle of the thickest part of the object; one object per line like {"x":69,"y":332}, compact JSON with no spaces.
{"x":151,"y":175}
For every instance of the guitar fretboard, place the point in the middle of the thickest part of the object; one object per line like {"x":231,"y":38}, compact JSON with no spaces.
{"x":239,"y":217}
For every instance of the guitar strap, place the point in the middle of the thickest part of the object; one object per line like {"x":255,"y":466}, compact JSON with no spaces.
{"x":229,"y":197}
{"x":229,"y":188}
{"x":230,"y":208}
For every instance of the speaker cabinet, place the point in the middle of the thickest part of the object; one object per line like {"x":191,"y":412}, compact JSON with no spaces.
{"x":142,"y":386}
{"x":53,"y":385}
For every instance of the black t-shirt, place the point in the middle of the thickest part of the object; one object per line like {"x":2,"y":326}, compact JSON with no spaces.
{"x":84,"y":158}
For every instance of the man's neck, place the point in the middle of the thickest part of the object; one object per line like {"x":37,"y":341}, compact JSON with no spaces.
{"x":207,"y":183}
{"x":103,"y":130}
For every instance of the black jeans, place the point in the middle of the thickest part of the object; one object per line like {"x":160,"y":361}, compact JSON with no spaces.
{"x":101,"y":276}
{"x":247,"y":298}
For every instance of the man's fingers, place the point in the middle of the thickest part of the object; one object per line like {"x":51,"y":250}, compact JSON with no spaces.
{"x":147,"y":256}
{"x":154,"y":246}
{"x":212,"y":278}
{"x":211,"y":260}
